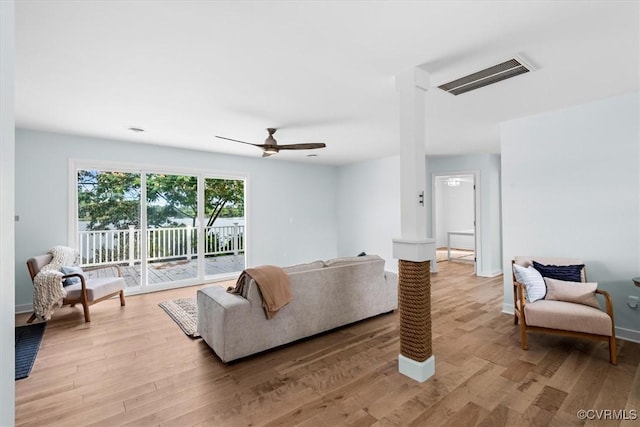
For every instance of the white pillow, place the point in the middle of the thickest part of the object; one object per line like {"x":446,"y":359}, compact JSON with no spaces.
{"x":576,"y":292}
{"x":532,"y":280}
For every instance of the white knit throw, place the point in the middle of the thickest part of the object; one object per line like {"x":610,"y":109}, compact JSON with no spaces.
{"x":48,"y":291}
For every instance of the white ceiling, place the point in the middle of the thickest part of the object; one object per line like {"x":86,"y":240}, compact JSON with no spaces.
{"x":320,"y":71}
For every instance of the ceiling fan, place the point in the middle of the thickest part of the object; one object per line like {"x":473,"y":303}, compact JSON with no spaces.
{"x":271,"y":146}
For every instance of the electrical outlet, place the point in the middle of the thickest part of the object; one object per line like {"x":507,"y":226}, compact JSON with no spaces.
{"x":633,"y":301}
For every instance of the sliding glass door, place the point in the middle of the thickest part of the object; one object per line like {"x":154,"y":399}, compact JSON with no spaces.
{"x":224,"y":229}
{"x":162,"y":229}
{"x":172,"y":228}
{"x":108,"y":220}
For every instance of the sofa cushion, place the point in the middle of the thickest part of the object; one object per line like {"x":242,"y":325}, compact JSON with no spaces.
{"x":567,"y":316}
{"x":96,"y":288}
{"x":571,"y":273}
{"x":334,"y":262}
{"x":532,"y":280}
{"x":304,"y":267}
{"x":576,"y":292}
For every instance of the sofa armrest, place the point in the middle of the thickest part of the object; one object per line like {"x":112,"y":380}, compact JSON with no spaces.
{"x":391,"y":281}
{"x":223,"y":299}
{"x":220,"y":315}
{"x":607,"y":301}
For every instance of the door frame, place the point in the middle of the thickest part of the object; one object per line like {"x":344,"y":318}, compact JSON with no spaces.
{"x":72,"y":218}
{"x":477,"y":195}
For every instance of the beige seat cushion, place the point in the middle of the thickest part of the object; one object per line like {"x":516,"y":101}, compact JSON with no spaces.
{"x":567,"y":316}
{"x":96,"y":288}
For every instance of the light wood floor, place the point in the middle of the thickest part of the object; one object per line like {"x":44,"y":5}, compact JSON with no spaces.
{"x":134,"y":366}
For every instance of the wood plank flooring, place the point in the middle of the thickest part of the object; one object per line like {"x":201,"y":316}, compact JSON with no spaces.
{"x":133,"y":366}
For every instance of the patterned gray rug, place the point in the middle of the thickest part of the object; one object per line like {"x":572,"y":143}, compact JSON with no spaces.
{"x":183,"y":311}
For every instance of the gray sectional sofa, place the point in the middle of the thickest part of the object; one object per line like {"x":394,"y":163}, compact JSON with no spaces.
{"x":326,"y":294}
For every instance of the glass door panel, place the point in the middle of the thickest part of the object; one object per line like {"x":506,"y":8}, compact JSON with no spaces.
{"x":224,"y":226}
{"x":109,"y":221}
{"x":172,"y":228}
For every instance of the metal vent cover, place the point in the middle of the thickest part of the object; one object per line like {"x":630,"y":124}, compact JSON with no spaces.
{"x":505,"y":70}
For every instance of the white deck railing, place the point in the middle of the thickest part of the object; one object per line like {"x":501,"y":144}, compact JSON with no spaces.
{"x":123,"y":246}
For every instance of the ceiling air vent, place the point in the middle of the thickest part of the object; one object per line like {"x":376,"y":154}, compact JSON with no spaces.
{"x":491,"y":75}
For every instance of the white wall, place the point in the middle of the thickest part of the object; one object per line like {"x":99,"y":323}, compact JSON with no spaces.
{"x":369,"y":208}
{"x":291,"y":209}
{"x":7,"y":168}
{"x":489,"y":237}
{"x":571,"y":187}
{"x":454,"y":211}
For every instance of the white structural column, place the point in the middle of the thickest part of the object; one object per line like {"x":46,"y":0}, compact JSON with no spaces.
{"x":413,"y":247}
{"x":7,"y":213}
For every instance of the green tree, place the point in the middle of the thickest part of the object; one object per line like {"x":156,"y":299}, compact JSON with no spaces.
{"x":171,"y":196}
{"x":111,"y":200}
{"x":224,"y":198}
{"x":108,"y":200}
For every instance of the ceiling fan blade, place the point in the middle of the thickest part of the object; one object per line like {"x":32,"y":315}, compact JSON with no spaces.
{"x":304,"y":146}
{"x":237,"y":140}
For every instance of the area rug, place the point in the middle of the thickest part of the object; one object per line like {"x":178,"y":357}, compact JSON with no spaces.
{"x":183,"y":311}
{"x":28,"y":339}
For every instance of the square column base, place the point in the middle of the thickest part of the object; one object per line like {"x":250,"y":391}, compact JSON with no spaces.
{"x":416,"y":251}
{"x":419,"y":371}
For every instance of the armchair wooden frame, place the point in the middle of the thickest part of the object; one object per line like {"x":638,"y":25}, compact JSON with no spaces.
{"x":32,"y":266}
{"x":519,"y":317}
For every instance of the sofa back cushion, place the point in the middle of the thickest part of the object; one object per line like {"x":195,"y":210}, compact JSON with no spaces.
{"x":304,"y":267}
{"x":336,"y":262}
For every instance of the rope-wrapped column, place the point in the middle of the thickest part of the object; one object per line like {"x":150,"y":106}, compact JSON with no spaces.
{"x":415,"y":309}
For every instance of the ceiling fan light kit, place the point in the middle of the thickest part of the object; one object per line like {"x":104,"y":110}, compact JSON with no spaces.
{"x":271,"y":146}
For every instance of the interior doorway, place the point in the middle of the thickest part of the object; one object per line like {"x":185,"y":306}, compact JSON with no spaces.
{"x":454,"y":218}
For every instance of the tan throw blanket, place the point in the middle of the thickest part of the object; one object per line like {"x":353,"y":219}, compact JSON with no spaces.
{"x":273,"y":283}
{"x":48,"y":291}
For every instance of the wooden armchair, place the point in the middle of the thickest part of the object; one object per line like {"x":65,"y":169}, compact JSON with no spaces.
{"x":562,"y":317}
{"x":87,"y":291}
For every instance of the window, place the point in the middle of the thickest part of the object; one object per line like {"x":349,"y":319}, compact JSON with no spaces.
{"x":164,"y":229}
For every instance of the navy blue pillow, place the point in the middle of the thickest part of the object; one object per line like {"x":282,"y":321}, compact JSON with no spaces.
{"x":569,"y":273}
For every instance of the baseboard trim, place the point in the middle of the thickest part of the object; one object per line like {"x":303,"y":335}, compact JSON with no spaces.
{"x":507,"y":308}
{"x":628,"y":334}
{"x":24,"y":308}
{"x":489,"y":273}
